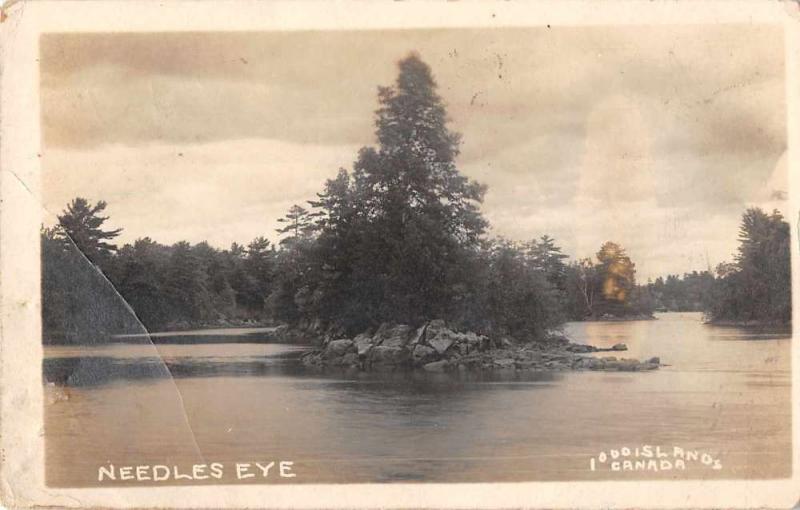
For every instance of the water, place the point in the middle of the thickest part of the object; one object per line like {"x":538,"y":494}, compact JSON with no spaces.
{"x":726,"y":392}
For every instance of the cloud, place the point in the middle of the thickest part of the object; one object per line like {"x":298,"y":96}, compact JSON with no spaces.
{"x":655,"y":137}
{"x":221,"y":192}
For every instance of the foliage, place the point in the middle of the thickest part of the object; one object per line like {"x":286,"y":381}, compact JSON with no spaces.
{"x":757,"y":287}
{"x":399,"y":238}
{"x":81,"y":224}
{"x":79,"y":304}
{"x":522,"y":301}
{"x":689,"y":293}
{"x":607,"y":287}
{"x":165,"y":286}
{"x":392,"y":239}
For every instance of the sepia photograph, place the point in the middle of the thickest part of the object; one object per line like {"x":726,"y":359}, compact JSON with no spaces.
{"x":414,"y":255}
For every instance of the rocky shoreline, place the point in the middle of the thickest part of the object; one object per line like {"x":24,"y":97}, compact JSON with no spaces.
{"x":434,"y":347}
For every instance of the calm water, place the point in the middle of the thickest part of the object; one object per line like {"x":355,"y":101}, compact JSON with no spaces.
{"x":726,"y":392}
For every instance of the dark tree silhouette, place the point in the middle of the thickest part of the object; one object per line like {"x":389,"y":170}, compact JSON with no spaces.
{"x":757,"y":287}
{"x":82,"y":223}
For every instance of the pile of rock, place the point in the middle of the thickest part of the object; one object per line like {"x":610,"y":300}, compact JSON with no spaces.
{"x":591,"y":348}
{"x":399,"y":346}
{"x":435,"y":347}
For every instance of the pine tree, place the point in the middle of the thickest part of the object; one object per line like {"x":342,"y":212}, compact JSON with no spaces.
{"x":421,"y":215}
{"x":299,"y":224}
{"x":81,"y":224}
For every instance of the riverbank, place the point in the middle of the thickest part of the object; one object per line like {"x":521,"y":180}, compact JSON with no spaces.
{"x":436,"y":348}
{"x":752,"y":326}
{"x":217,"y":324}
{"x":614,"y":318}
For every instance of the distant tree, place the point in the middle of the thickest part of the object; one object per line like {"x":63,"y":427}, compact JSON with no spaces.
{"x":617,"y":272}
{"x":299,"y":224}
{"x":521,"y":302}
{"x":583,"y":287}
{"x":186,"y":285}
{"x":138,"y":274}
{"x":606,"y":287}
{"x":82,"y":224}
{"x":688,"y":293}
{"x":547,"y":257}
{"x":259,"y":265}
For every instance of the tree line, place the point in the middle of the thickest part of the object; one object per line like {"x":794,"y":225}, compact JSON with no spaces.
{"x":399,"y":237}
{"x":754,"y":288}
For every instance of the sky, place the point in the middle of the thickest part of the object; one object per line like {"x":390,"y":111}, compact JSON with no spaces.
{"x":655,"y":137}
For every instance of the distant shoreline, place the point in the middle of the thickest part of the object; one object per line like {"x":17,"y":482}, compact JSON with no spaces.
{"x":630,"y":318}
{"x":752,"y":324}
{"x":217,"y":324}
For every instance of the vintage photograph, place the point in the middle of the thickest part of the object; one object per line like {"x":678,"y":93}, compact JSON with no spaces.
{"x":428,"y":255}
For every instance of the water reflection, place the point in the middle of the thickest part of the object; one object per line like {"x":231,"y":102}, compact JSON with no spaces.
{"x":253,"y":401}
{"x":97,"y":370}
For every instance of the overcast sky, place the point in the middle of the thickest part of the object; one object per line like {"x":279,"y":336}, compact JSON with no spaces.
{"x":654,"y":137}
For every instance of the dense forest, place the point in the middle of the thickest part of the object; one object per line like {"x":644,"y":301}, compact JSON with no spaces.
{"x":689,"y":293}
{"x":398,"y":238}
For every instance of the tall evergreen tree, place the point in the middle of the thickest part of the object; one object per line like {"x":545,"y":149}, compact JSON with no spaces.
{"x":548,"y":258}
{"x":757,"y":287}
{"x":299,"y":224}
{"x":82,"y":224}
{"x":420,"y":214}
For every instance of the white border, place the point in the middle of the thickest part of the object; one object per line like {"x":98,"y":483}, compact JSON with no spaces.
{"x":21,"y":439}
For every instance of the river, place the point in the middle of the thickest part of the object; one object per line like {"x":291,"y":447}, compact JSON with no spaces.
{"x":725,"y":392}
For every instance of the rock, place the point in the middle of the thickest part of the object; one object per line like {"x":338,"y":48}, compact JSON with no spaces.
{"x":436,"y":348}
{"x":317,"y":326}
{"x":388,"y":355}
{"x":423,"y":354}
{"x":436,"y":366}
{"x":363,"y":343}
{"x":392,"y":336}
{"x":580,"y":348}
{"x":418,"y":337}
{"x":381,"y":330}
{"x":580,"y":362}
{"x":532,"y":356}
{"x":442,"y":341}
{"x":433,"y":328}
{"x":335,"y":331}
{"x":628,"y":365}
{"x":338,"y":348}
{"x":472,"y":339}
{"x":350,"y":359}
{"x":453,"y":354}
{"x":312,"y":358}
{"x":505,"y":363}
